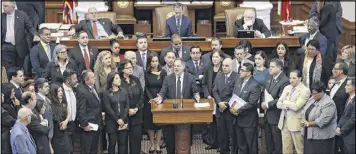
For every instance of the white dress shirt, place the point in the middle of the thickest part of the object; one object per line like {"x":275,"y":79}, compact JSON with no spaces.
{"x":336,"y":87}
{"x":71,"y":100}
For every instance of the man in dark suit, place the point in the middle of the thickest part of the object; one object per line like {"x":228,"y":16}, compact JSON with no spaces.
{"x":215,"y":44}
{"x":339,"y":95}
{"x":41,"y":54}
{"x":180,"y":85}
{"x":277,"y":80}
{"x":89,"y":112}
{"x":14,"y":46}
{"x":17,"y":79}
{"x":142,"y":52}
{"x":177,"y":47}
{"x":249,"y":90}
{"x":35,"y":11}
{"x":83,"y":54}
{"x":314,"y":33}
{"x":250,"y":22}
{"x":97,"y":28}
{"x":222,"y":92}
{"x":179,"y":23}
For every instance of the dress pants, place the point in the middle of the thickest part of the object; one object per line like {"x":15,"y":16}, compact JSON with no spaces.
{"x":170,"y":139}
{"x":273,"y":139}
{"x":247,"y":139}
{"x":135,"y":137}
{"x":226,"y":133}
{"x":89,"y":142}
{"x":349,"y":148}
{"x":10,"y":57}
{"x":119,"y":137}
{"x":339,"y":145}
{"x":5,"y":142}
{"x":290,"y":138}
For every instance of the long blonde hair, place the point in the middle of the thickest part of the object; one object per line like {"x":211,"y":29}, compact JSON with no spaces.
{"x":99,"y":65}
{"x":352,"y":52}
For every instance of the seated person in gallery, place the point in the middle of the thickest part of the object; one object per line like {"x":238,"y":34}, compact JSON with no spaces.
{"x":250,"y":22}
{"x":97,"y":28}
{"x":179,"y":23}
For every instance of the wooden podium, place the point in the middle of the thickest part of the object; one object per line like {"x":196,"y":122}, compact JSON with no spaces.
{"x":182,"y":118}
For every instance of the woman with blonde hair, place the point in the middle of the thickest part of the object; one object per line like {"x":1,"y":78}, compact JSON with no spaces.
{"x":348,"y":56}
{"x":103,"y":66}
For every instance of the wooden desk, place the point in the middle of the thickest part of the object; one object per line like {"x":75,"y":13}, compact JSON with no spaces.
{"x":182,"y":118}
{"x":191,"y":12}
{"x":130,"y":44}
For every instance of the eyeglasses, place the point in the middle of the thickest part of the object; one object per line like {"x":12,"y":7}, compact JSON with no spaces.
{"x":93,"y":13}
{"x":195,"y":53}
{"x":128,"y":68}
{"x":242,"y":70}
{"x":311,"y":49}
{"x":179,"y":43}
{"x":62,"y":52}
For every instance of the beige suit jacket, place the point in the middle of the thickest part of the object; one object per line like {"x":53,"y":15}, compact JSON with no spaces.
{"x":291,"y":106}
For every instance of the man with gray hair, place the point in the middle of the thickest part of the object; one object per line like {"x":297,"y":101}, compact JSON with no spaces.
{"x":137,"y":70}
{"x":21,"y":140}
{"x":250,"y":22}
{"x":314,"y":33}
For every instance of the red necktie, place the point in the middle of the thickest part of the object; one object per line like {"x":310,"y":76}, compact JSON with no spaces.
{"x":86,"y":59}
{"x":95,"y":30}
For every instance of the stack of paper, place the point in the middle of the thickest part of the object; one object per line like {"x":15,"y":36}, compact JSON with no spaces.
{"x":199,"y":105}
{"x":236,"y":102}
{"x":148,"y":2}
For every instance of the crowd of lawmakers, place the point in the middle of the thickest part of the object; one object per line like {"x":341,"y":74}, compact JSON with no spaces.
{"x":102,"y":99}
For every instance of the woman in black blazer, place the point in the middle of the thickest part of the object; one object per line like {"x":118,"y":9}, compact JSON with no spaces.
{"x":61,"y":61}
{"x":11,"y":104}
{"x":133,"y":87}
{"x":346,"y":125}
{"x":116,"y":107}
{"x":281,"y":52}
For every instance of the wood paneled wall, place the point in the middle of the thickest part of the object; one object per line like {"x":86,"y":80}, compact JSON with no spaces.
{"x":300,"y":10}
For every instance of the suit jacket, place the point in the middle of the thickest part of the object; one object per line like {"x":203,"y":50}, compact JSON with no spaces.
{"x":222,"y":92}
{"x":22,"y":24}
{"x":111,"y":103}
{"x":87,"y":26}
{"x":39,"y":58}
{"x":78,"y":57}
{"x":327,"y":19}
{"x":324,"y":115}
{"x":53,"y":73}
{"x":318,"y":36}
{"x":89,"y":106}
{"x":48,"y":114}
{"x":208,"y":81}
{"x":207,"y":57}
{"x":139,"y":59}
{"x":39,"y":134}
{"x":20,"y":141}
{"x":258,"y":25}
{"x":294,"y":103}
{"x":35,"y":11}
{"x":347,"y":123}
{"x":351,"y":70}
{"x":337,"y":6}
{"x":234,"y":64}
{"x":340,"y":98}
{"x":185,"y":28}
{"x":7,"y":122}
{"x":168,"y":90}
{"x":275,"y":90}
{"x":326,"y":69}
{"x":185,"y":53}
{"x":250,"y":93}
{"x":190,"y":67}
{"x":139,"y":73}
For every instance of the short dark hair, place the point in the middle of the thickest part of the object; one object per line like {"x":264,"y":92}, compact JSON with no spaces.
{"x":343,"y":67}
{"x":287,"y":55}
{"x":80,"y":32}
{"x":110,"y":79}
{"x":195,"y":46}
{"x":249,"y":67}
{"x":278,"y":62}
{"x":246,"y":44}
{"x":318,"y":86}
{"x":67,"y":74}
{"x":26,"y":96}
{"x":39,"y":83}
{"x":175,"y":36}
{"x":315,"y":43}
{"x":140,"y":35}
{"x":216,"y":39}
{"x":12,"y":72}
{"x":239,"y":47}
{"x":165,"y":54}
{"x":40,"y":31}
{"x":352,"y":79}
{"x":263,"y":55}
{"x":299,"y":73}
{"x":122,"y":66}
{"x":113,"y":41}
{"x":177,"y":5}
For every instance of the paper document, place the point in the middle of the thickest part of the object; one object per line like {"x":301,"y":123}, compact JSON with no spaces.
{"x":268,"y":97}
{"x":65,"y":26}
{"x":236,"y":102}
{"x":198,"y":105}
{"x":123,"y":127}
{"x":94,"y":127}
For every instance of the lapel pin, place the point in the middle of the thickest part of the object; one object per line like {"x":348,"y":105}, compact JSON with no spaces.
{"x":17,"y":17}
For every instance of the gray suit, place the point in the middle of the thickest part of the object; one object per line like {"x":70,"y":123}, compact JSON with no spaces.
{"x":138,"y":72}
{"x":185,"y":53}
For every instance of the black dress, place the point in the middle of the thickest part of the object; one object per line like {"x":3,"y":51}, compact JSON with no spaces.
{"x":153,"y":86}
{"x":60,"y":140}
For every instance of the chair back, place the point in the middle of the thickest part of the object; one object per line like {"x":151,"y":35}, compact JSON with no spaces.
{"x":221,"y":6}
{"x":109,"y":15}
{"x":231,"y":15}
{"x":123,"y":7}
{"x":162,"y":14}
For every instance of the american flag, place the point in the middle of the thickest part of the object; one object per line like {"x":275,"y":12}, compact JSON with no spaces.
{"x":69,"y":15}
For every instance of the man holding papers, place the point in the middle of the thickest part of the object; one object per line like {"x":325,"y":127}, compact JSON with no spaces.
{"x":248,"y":92}
{"x":276,"y":82}
{"x":292,"y":100}
{"x":222,"y":92}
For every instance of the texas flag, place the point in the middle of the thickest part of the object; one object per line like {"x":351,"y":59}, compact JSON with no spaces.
{"x":284,"y":9}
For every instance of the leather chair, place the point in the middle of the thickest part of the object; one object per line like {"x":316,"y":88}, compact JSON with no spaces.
{"x":162,"y":14}
{"x":231,"y":15}
{"x":220,"y":7}
{"x":109,"y":15}
{"x":124,"y":12}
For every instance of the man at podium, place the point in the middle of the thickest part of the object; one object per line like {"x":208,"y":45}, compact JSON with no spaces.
{"x":250,"y":22}
{"x":178,"y":23}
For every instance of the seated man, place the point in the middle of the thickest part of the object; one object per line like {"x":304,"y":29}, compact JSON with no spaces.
{"x":177,"y":47}
{"x":179,"y":23}
{"x":250,"y":22}
{"x":314,"y":33}
{"x":97,"y":28}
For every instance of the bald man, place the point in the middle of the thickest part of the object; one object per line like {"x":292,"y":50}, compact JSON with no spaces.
{"x":21,"y":140}
{"x":250,"y":22}
{"x":137,"y":70}
{"x":222,"y":92}
{"x":97,"y":28}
